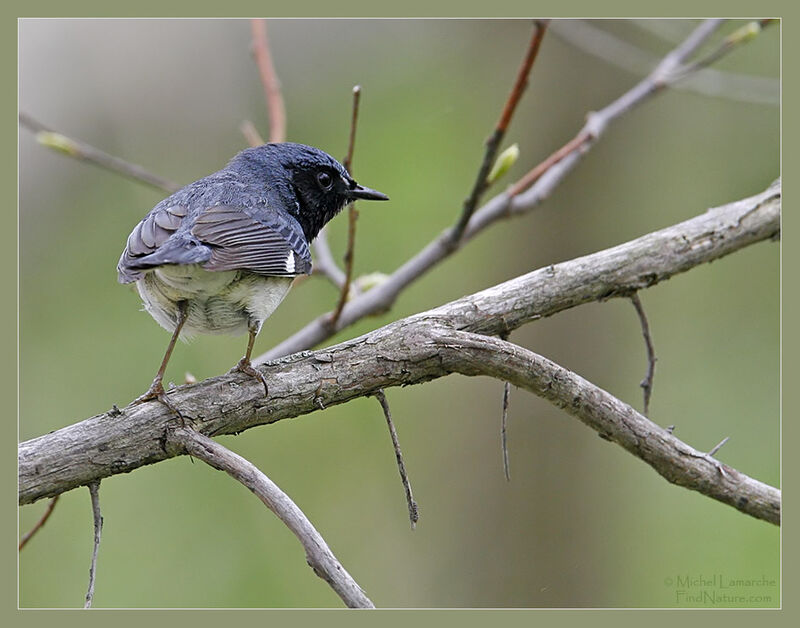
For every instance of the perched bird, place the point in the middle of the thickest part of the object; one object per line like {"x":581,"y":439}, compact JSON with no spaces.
{"x":220,"y":254}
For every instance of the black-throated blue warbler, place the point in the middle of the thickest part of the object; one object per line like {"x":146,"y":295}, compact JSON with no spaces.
{"x":220,"y":254}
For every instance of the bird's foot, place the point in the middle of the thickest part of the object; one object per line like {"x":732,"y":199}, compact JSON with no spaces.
{"x":245,"y":366}
{"x":156,"y":391}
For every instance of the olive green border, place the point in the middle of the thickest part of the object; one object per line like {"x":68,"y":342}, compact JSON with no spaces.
{"x":408,"y":8}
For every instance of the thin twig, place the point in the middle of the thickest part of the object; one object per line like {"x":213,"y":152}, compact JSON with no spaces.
{"x":735,"y":39}
{"x":251,"y":133}
{"x":718,"y":446}
{"x":94,"y":492}
{"x":504,"y":418}
{"x":413,"y":510}
{"x":503,"y":426}
{"x":42,"y":520}
{"x":269,"y":79}
{"x":494,"y":140}
{"x":710,"y":82}
{"x":647,"y":382}
{"x":660,"y":77}
{"x":85,"y":152}
{"x":351,"y":143}
{"x":324,"y":264}
{"x":352,"y":215}
{"x":318,"y":554}
{"x":537,"y":171}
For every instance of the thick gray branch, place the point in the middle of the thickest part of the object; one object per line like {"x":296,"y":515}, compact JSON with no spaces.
{"x":474,"y":354}
{"x":318,"y":554}
{"x":401,"y":353}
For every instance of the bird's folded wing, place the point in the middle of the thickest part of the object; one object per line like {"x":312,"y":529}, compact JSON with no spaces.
{"x":239,"y":241}
{"x":222,"y":238}
{"x":153,"y":242}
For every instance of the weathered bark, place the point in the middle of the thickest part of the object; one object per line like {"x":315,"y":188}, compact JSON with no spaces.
{"x":412,"y":351}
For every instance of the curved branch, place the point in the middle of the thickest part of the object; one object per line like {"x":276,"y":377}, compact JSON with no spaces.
{"x":318,"y":554}
{"x":614,"y":420}
{"x":401,"y":353}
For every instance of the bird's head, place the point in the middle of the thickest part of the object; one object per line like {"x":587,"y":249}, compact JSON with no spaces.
{"x":317,"y":186}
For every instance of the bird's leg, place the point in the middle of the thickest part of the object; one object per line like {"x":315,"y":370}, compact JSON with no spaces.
{"x":245,"y":365}
{"x":156,"y":390}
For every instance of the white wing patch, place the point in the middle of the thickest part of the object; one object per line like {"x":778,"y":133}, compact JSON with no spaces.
{"x":290,"y":262}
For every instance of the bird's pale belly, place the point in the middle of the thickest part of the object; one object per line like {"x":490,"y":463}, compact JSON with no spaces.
{"x":218,"y":302}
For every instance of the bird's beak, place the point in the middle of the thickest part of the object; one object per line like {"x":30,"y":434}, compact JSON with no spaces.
{"x":367,"y":194}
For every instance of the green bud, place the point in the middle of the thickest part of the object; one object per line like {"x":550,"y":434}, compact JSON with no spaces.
{"x":369,"y":281}
{"x":503,"y":163}
{"x":57,"y":142}
{"x":745,"y":33}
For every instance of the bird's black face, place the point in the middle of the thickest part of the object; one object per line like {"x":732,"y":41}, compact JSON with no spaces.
{"x":323,"y":187}
{"x":314,"y":186}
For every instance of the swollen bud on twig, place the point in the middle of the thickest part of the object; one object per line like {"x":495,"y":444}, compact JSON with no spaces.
{"x":745,"y":33}
{"x":57,"y":142}
{"x":503,"y":163}
{"x":369,"y":281}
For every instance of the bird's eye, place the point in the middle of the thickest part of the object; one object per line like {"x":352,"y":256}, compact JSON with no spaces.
{"x":325,"y":180}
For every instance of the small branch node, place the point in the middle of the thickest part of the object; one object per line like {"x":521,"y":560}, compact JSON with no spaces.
{"x":596,"y":125}
{"x":719,"y":446}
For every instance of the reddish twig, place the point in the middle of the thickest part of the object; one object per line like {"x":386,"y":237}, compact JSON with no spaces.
{"x":674,"y":67}
{"x":27,"y":537}
{"x":352,"y":215}
{"x":537,"y":171}
{"x":269,"y":79}
{"x":494,"y":140}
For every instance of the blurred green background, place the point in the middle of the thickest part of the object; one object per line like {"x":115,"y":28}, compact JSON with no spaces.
{"x":582,"y":523}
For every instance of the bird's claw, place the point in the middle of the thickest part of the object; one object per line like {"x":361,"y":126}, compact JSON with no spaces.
{"x":245,"y":366}
{"x":157,"y":392}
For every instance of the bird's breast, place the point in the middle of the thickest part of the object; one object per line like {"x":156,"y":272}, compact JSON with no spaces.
{"x":226,"y":302}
